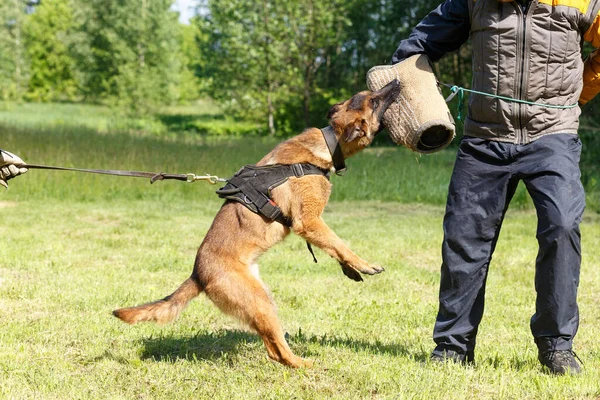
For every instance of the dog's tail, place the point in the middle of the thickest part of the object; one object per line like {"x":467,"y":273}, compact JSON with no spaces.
{"x":162,"y":311}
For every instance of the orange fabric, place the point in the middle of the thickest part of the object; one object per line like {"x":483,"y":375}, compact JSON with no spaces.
{"x":591,"y":78}
{"x":581,"y":5}
{"x":592,"y":35}
{"x":591,"y":67}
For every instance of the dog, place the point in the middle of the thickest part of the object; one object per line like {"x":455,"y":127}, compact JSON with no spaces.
{"x":225,"y":268}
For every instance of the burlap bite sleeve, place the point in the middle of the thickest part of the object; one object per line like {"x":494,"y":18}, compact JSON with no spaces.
{"x":419,"y":119}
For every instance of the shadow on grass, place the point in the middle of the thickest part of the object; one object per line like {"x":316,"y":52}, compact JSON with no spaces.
{"x":205,"y":345}
{"x":212,"y":345}
{"x":376,"y":347}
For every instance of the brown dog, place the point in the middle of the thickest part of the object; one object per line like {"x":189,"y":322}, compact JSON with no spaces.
{"x":225,"y":266}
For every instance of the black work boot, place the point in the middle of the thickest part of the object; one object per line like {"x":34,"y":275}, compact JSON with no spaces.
{"x":560,"y":362}
{"x":453,"y":356}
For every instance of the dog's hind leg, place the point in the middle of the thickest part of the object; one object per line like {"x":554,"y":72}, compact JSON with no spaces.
{"x":242,"y":294}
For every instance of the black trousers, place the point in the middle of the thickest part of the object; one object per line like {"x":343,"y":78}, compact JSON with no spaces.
{"x":485,"y":176}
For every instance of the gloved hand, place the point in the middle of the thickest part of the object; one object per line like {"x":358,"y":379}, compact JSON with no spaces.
{"x":10,"y":166}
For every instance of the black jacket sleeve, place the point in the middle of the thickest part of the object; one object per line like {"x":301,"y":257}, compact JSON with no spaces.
{"x":443,"y":30}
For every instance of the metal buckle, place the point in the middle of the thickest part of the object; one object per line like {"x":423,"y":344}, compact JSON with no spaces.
{"x":341,"y":172}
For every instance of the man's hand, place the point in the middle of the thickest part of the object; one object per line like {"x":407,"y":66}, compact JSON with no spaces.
{"x":10,"y":166}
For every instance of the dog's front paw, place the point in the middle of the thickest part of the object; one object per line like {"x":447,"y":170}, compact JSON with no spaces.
{"x":351,"y":272}
{"x":377,"y":269}
{"x":365,"y":268}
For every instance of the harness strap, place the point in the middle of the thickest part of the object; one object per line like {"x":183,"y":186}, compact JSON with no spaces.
{"x":297,"y":170}
{"x":312,"y":253}
{"x":266,"y":206}
{"x":335,"y":150}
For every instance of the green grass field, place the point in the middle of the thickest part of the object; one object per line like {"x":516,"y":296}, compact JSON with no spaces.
{"x":76,"y":246}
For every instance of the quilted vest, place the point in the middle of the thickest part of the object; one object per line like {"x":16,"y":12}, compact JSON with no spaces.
{"x":532,"y":54}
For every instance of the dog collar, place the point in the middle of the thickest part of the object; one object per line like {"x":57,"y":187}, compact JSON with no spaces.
{"x":335,"y":150}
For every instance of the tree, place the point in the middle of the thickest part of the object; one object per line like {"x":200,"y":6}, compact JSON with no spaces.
{"x":244,"y":68}
{"x":315,"y":34}
{"x":13,"y":62}
{"x":192,"y":62}
{"x":128,"y":53}
{"x":264,"y":56}
{"x":46,"y":36}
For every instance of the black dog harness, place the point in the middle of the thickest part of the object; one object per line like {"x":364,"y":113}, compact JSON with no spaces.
{"x":252,"y":185}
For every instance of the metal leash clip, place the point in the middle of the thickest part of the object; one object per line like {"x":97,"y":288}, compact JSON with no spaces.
{"x":212,"y":179}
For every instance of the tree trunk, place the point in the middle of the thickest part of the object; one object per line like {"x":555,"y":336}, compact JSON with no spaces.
{"x":306,"y":95}
{"x":267,"y":42}
{"x":18,"y":55}
{"x":271,"y":113}
{"x":308,"y":75}
{"x":140,"y":46}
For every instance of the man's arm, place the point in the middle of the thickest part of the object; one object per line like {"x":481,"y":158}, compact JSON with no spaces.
{"x":443,"y":30}
{"x":591,"y":66}
{"x":10,"y":166}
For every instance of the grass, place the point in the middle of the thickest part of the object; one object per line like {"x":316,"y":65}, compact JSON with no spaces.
{"x":77,"y":246}
{"x":201,"y":117}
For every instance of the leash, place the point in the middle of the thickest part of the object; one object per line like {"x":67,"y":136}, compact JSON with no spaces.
{"x":328,"y":134}
{"x":457,"y":90}
{"x":190,"y":178}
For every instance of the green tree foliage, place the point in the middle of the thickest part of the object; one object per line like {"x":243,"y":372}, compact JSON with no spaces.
{"x":192,"y":62}
{"x":241,"y":70}
{"x":263,"y":57}
{"x":127,"y":52}
{"x":316,"y":31}
{"x":13,"y":61}
{"x":46,"y":37}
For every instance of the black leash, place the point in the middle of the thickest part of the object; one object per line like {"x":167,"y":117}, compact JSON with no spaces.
{"x":328,"y":134}
{"x":135,"y":174}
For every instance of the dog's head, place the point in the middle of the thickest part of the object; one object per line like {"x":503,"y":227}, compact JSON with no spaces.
{"x":356,"y":121}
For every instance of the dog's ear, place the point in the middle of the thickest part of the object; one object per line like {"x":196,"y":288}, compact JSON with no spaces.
{"x":353,"y":131}
{"x":335,"y":108}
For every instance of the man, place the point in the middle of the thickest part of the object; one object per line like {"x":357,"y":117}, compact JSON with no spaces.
{"x":9,"y":167}
{"x":526,"y":50}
